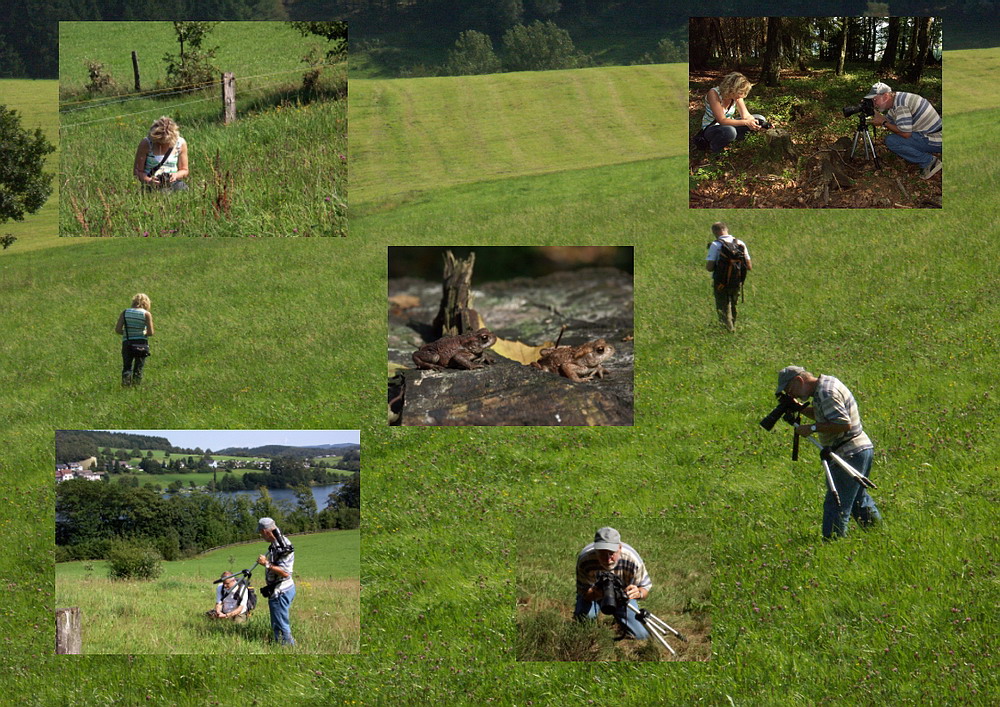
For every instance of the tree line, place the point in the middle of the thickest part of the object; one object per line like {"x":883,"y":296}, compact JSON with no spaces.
{"x":901,"y":46}
{"x":92,"y":518}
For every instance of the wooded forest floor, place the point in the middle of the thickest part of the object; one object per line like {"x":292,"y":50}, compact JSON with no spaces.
{"x":822,"y":174}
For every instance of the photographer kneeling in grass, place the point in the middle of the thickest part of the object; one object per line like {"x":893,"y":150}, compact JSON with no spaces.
{"x":721,"y":102}
{"x":280,"y":589}
{"x":607,"y":567}
{"x":913,"y":124}
{"x":161,"y":160}
{"x":230,"y":603}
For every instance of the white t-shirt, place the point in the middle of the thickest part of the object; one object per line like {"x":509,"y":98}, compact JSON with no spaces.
{"x":713,"y":249}
{"x":230,"y":603}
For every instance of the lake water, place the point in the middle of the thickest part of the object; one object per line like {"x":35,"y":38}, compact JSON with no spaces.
{"x":320,"y":493}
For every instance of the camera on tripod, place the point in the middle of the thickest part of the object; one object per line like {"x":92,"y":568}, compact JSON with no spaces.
{"x":866,"y":107}
{"x":613,"y":597}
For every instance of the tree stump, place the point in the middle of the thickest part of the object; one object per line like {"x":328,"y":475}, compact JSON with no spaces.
{"x":778,"y":146}
{"x":456,"y":315}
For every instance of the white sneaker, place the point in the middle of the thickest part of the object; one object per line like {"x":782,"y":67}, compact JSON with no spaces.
{"x":931,"y":169}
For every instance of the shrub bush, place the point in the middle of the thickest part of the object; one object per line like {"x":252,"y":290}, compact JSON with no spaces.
{"x":473,"y":54}
{"x":131,"y":561}
{"x":540,"y":46}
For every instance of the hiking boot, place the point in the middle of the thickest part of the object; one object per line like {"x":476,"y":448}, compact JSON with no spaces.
{"x":931,"y":169}
{"x":126,"y":379}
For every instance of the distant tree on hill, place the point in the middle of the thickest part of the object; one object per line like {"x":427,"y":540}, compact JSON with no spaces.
{"x":540,"y":46}
{"x":473,"y":54}
{"x":24,"y":188}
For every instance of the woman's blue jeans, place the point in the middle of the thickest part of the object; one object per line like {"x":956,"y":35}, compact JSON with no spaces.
{"x":278,"y":605}
{"x":719,"y":136}
{"x":854,"y":499}
{"x":586,"y":609}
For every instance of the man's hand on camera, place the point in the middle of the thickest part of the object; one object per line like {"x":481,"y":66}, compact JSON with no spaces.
{"x":633,"y":592}
{"x":878,"y":119}
{"x":804,"y":430}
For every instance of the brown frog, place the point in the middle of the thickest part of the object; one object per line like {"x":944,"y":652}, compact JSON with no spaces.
{"x":465,"y":351}
{"x":577,"y":362}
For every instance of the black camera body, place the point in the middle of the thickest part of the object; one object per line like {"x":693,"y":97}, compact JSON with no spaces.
{"x":764,"y":123}
{"x":787,"y":408}
{"x":613,"y":600}
{"x":866,"y":107}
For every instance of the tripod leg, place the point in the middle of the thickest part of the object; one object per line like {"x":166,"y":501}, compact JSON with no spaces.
{"x":829,"y":481}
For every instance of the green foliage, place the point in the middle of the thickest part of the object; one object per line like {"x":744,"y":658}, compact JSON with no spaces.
{"x":7,"y":240}
{"x":472,"y":54}
{"x":539,"y":46}
{"x":334,"y":32}
{"x":24,"y":187}
{"x":130,"y":561}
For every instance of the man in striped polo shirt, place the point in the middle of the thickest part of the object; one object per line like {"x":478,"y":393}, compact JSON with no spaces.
{"x":838,"y":425}
{"x":609,"y":554}
{"x":913,"y":124}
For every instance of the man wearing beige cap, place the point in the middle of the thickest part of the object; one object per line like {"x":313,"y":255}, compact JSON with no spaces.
{"x":913,"y":124}
{"x":838,"y":426}
{"x":609,"y":554}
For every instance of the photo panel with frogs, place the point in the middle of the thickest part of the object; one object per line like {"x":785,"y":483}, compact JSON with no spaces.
{"x":522,"y":335}
{"x":208,"y":541}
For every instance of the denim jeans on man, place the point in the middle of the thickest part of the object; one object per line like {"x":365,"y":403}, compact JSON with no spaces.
{"x":916,"y":148}
{"x":586,"y":609}
{"x":132,"y":364}
{"x":278,"y":605}
{"x":719,"y":136}
{"x":854,"y":499}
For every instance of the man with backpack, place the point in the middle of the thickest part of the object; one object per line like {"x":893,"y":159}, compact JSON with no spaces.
{"x":231,"y":600}
{"x":729,"y":262}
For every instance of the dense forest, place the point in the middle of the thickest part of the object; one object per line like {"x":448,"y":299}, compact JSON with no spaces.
{"x":29,"y":32}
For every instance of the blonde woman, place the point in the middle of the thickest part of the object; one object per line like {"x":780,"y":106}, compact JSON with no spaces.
{"x":135,"y":324}
{"x":161,"y":160}
{"x":721,"y":105}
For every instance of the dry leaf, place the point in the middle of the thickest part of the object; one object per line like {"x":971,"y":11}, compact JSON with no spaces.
{"x":404,"y":302}
{"x":517,"y":351}
{"x":394,"y":368}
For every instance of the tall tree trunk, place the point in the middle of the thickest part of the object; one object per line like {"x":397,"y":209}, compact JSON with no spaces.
{"x":843,"y":46}
{"x":891,"y":47}
{"x":920,"y":55}
{"x":771,"y":65}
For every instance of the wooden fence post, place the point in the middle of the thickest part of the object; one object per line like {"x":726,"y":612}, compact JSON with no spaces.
{"x":135,"y":70}
{"x":68,"y":639}
{"x":228,"y":98}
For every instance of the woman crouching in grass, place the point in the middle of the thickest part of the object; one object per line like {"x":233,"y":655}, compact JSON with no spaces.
{"x":135,"y":324}
{"x":721,"y":104}
{"x":161,"y":160}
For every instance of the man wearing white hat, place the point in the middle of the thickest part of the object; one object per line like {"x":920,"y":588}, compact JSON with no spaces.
{"x":609,"y":554}
{"x":913,"y":124}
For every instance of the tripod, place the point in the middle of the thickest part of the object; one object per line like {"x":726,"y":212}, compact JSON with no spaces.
{"x":866,"y":140}
{"x":656,"y":626}
{"x":826,"y":455}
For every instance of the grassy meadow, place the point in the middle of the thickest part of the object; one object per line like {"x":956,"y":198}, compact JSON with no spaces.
{"x":165,"y":615}
{"x":279,"y":170}
{"x":897,"y":305}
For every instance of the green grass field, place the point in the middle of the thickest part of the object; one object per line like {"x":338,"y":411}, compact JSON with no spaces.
{"x":897,"y":305}
{"x":279,"y":170}
{"x":165,"y":615}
